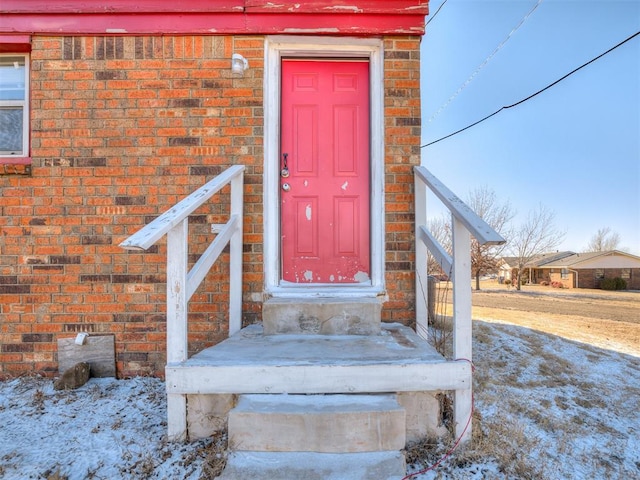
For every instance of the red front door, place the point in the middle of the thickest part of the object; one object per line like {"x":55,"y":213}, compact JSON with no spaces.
{"x":325,"y":182}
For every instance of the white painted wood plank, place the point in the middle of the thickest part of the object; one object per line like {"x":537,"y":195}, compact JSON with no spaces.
{"x":377,"y":128}
{"x":462,"y":411}
{"x":462,"y":333}
{"x":177,"y":292}
{"x":176,"y":417}
{"x":438,"y":252}
{"x":155,"y":230}
{"x":235,"y":256}
{"x":422,"y":275}
{"x":271,"y":176}
{"x":462,"y":326}
{"x":318,"y":378}
{"x":478,"y":227}
{"x":201,"y":268}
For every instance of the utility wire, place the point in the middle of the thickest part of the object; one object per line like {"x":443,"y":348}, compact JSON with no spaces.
{"x":434,"y":15}
{"x":483,"y":64}
{"x":533,"y":94}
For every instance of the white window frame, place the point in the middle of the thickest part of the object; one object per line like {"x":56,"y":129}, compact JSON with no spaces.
{"x":279,"y":46}
{"x":20,"y":103}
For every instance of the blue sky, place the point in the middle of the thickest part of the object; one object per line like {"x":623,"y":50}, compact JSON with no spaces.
{"x":575,"y":147}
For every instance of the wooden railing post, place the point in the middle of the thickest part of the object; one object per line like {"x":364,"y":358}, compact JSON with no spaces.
{"x":464,"y":224}
{"x":235,"y":259}
{"x":422,"y":275}
{"x":182,"y":282}
{"x":177,"y":343}
{"x":462,"y":333}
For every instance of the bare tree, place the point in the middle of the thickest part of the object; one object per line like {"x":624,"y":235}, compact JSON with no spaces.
{"x":483,"y":201}
{"x":604,"y":240}
{"x":440,"y":228}
{"x":537,"y":235}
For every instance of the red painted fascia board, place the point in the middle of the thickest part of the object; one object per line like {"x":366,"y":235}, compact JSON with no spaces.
{"x":330,"y":24}
{"x":120,"y":6}
{"x":15,"y":43}
{"x":388,"y":7}
{"x":130,"y":17}
{"x":214,"y":24}
{"x":391,"y":7}
{"x":101,"y":24}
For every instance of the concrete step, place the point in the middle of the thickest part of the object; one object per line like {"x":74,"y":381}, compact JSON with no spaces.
{"x":314,"y":466}
{"x":317,"y":423}
{"x":324,"y":316}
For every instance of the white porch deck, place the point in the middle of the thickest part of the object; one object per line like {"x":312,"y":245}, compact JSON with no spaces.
{"x":397,"y":360}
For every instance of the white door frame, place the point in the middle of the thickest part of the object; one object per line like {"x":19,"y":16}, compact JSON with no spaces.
{"x":280,"y":46}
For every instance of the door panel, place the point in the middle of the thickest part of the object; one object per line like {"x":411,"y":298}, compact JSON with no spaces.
{"x":346,"y":222}
{"x":325,"y":136}
{"x":306,"y":232}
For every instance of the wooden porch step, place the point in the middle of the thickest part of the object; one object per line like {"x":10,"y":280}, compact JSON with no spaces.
{"x":396,"y":360}
{"x":317,"y":423}
{"x":314,"y":466}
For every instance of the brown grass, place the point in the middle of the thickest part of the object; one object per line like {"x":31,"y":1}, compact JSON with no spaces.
{"x":604,"y":319}
{"x":215,"y":456}
{"x":594,"y":318}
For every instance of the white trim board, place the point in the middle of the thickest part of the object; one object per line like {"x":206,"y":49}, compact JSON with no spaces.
{"x":277,"y":47}
{"x":313,"y":379}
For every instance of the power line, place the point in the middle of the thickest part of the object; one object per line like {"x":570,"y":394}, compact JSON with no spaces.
{"x":434,"y":15}
{"x":484,"y":63}
{"x":533,"y":94}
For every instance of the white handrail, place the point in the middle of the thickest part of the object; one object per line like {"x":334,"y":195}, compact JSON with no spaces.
{"x":460,"y":210}
{"x":182,"y":282}
{"x":159,"y":227}
{"x":439,"y":253}
{"x":207,"y":259}
{"x":465,"y":223}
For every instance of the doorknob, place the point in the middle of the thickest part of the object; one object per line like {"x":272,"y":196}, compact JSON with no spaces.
{"x":286,"y":187}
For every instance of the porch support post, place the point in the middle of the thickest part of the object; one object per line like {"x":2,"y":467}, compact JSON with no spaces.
{"x":462,"y":327}
{"x":177,"y":345}
{"x":235,"y":258}
{"x":422,"y":275}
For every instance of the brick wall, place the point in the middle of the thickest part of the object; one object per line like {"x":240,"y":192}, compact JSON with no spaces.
{"x":556,"y":276}
{"x":587,"y":277}
{"x":124,"y":127}
{"x":402,"y":140}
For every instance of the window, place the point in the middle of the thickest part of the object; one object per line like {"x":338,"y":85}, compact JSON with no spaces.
{"x":14,"y":106}
{"x":599,"y":272}
{"x":564,"y":273}
{"x":625,"y":273}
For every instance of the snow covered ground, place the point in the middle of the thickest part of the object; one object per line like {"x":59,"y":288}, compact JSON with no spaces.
{"x":546,"y":408}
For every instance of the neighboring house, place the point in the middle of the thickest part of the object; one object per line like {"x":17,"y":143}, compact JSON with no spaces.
{"x":508,"y":266}
{"x":587,"y":270}
{"x":578,"y":270}
{"x":113,"y":111}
